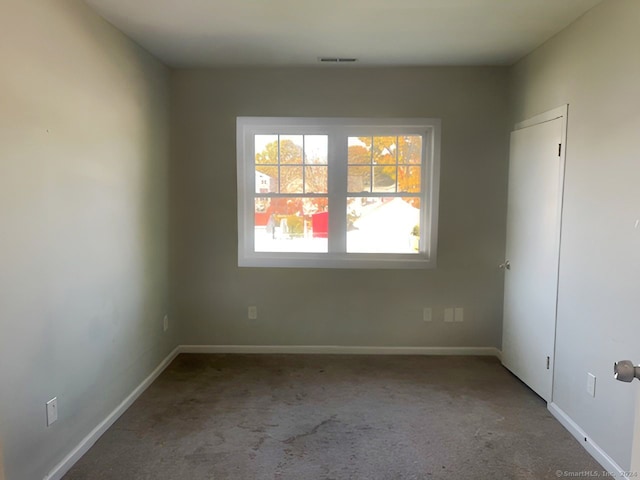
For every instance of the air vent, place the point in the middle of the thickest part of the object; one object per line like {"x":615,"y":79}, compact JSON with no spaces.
{"x":337,"y":60}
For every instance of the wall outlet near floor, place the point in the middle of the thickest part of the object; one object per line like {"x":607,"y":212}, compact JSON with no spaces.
{"x":427,"y":315}
{"x":458,"y":314}
{"x":165,"y":323}
{"x":52,"y":411}
{"x":591,"y":384}
{"x":253,"y":312}
{"x":448,"y":315}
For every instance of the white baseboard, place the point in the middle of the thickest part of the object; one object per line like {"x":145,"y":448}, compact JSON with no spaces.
{"x":590,"y":446}
{"x":341,"y":350}
{"x":87,"y":442}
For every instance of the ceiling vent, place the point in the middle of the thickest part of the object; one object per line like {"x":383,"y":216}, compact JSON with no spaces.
{"x":337,"y":60}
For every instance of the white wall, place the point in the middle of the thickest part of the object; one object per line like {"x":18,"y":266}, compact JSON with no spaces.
{"x":83,"y":219}
{"x":594,"y":66}
{"x":210,"y":294}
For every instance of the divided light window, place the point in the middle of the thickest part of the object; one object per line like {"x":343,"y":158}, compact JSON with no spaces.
{"x":337,"y":192}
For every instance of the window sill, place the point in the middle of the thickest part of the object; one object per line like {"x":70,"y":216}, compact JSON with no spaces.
{"x":348,"y":261}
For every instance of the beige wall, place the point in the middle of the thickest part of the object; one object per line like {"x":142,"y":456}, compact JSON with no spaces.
{"x":594,"y":66}
{"x":83,"y":215}
{"x":338,"y":307}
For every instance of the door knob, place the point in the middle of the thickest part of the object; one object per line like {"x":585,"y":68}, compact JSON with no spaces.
{"x":624,"y":371}
{"x":505,"y":266}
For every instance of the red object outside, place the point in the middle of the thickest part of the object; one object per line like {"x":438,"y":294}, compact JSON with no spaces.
{"x":261,"y":219}
{"x":320,"y":225}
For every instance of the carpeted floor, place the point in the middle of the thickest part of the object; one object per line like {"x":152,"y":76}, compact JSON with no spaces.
{"x":295,"y":417}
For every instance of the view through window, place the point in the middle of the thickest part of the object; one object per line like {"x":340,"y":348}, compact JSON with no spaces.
{"x":326,"y":193}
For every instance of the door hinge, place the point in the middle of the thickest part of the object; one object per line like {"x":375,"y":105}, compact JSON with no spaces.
{"x":548,"y":362}
{"x":559,"y":149}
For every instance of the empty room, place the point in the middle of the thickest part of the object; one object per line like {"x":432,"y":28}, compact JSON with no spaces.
{"x":350,"y":239}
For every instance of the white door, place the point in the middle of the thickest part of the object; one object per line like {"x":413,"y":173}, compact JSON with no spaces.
{"x":536,"y":175}
{"x":635,"y":448}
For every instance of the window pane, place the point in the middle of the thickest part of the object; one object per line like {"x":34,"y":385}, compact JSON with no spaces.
{"x":359,"y":150}
{"x":409,"y":179}
{"x":384,"y":150}
{"x":383,"y":225}
{"x":316,"y":149}
{"x":315,"y":179}
{"x":266,"y":179}
{"x":410,"y":149}
{"x":291,"y":225}
{"x":266,"y":149}
{"x":290,"y":179}
{"x":359,"y":179}
{"x":384,"y":179}
{"x":290,"y":149}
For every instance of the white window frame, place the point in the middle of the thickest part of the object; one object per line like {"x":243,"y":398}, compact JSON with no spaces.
{"x":338,"y":130}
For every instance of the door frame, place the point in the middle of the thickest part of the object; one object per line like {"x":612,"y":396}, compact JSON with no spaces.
{"x":561,"y":112}
{"x":635,"y":441}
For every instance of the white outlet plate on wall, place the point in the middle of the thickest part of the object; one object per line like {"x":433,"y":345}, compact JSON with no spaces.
{"x":427,"y":315}
{"x":448,"y":315}
{"x":52,"y":411}
{"x":591,"y":384}
{"x":253,"y":313}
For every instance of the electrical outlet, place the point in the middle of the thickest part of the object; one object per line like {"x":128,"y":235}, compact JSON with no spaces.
{"x":253,"y":313}
{"x":165,"y":323}
{"x":458,"y":314}
{"x":591,"y":384}
{"x":52,"y":411}
{"x":427,"y":314}
{"x":448,"y":315}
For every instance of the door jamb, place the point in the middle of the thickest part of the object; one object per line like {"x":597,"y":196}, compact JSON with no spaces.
{"x":559,"y":112}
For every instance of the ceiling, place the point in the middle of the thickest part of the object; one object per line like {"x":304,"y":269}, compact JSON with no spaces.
{"x":200,"y":33}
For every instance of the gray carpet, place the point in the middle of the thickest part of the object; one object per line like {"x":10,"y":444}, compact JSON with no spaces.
{"x":295,"y":417}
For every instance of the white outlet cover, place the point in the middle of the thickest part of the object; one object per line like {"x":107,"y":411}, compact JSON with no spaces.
{"x":52,"y":411}
{"x":427,"y":314}
{"x":591,"y":384}
{"x":253,"y":313}
{"x":165,"y":323}
{"x":448,"y":315}
{"x":458,"y":314}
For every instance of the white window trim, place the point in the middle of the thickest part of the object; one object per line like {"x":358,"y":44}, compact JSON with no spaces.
{"x":337,"y":129}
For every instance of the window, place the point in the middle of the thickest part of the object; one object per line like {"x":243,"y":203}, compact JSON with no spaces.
{"x":337,"y":192}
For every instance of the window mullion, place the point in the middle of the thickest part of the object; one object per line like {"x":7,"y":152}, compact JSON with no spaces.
{"x":397,"y":160}
{"x":337,"y":191}
{"x":279,"y":169}
{"x":304,"y":166}
{"x":371,"y":182}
